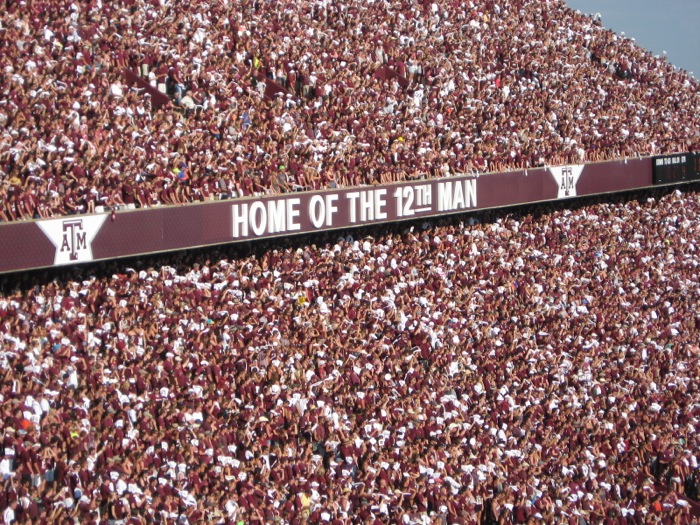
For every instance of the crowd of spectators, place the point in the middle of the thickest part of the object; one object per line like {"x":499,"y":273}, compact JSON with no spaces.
{"x":475,"y":86}
{"x":519,"y":367}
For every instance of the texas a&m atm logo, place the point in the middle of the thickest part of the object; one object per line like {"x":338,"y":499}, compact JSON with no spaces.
{"x":73,"y":237}
{"x":567,"y":178}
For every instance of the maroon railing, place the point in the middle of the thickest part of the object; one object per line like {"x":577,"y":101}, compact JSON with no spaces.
{"x":81,"y":238}
{"x":158,"y":99}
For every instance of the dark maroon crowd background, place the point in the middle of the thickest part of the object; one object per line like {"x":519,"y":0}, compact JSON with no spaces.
{"x":527,"y":367}
{"x":536,"y":365}
{"x":269,"y":97}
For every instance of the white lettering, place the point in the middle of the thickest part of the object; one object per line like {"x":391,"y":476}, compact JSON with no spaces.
{"x":424,"y":195}
{"x":293,"y":214}
{"x":445,"y":196}
{"x":470,"y":190}
{"x":352,"y":197}
{"x":379,"y":204}
{"x":317,"y":210}
{"x":240,"y":220}
{"x":331,"y":208}
{"x":258,"y":226}
{"x":276,"y":215}
{"x":458,"y":197}
{"x":366,"y":206}
{"x":404,"y":201}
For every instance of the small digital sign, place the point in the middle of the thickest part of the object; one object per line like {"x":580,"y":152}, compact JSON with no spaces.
{"x":672,"y":169}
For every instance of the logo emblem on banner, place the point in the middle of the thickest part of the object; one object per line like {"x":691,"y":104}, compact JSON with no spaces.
{"x":73,"y":237}
{"x":567,"y":178}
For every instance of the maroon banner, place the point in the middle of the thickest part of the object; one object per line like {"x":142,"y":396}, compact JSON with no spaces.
{"x":272,"y":88}
{"x":158,"y":99}
{"x":388,"y":73}
{"x":82,"y":238}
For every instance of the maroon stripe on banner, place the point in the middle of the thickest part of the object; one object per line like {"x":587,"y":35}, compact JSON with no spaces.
{"x":83,"y":238}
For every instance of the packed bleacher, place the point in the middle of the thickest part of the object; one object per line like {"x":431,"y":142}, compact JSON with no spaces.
{"x":269,"y":97}
{"x":535,"y":366}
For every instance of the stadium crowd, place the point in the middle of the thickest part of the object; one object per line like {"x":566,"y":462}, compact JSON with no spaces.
{"x":520,"y":367}
{"x":368,"y":92}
